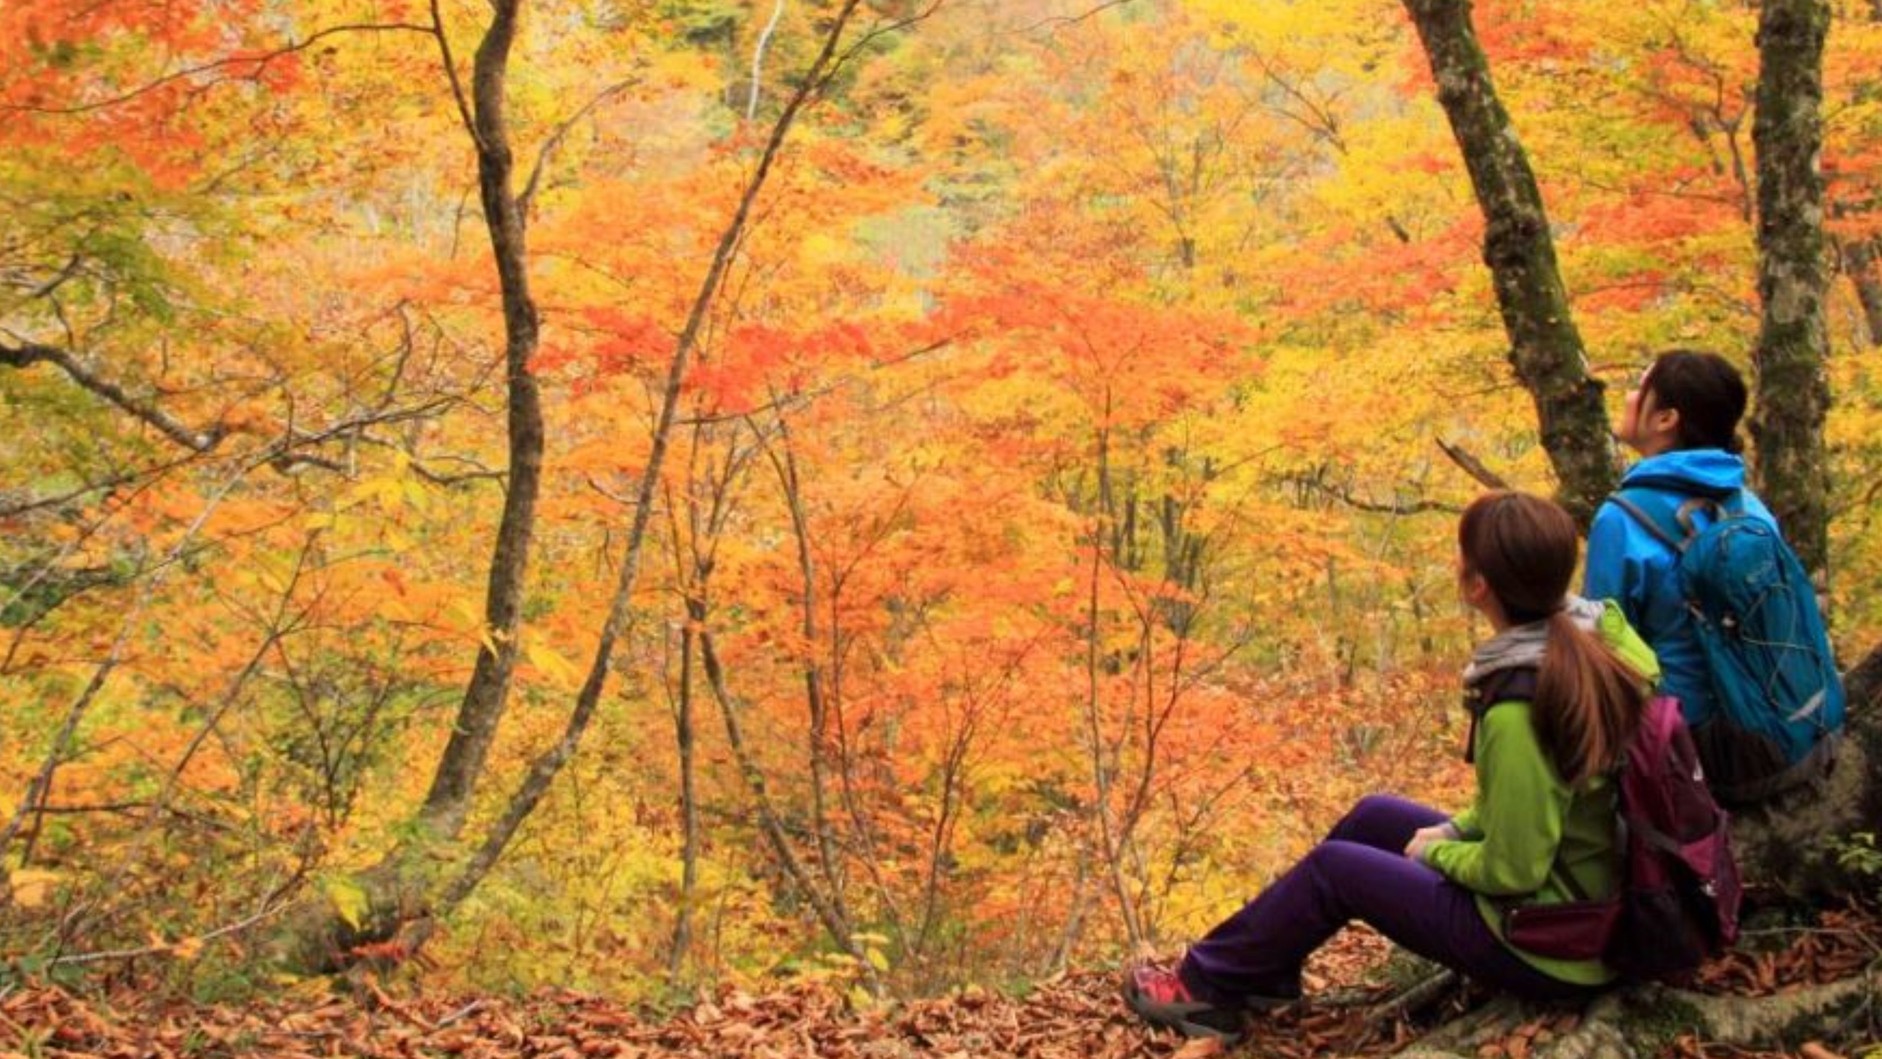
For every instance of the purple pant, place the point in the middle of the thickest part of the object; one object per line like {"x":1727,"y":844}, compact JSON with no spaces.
{"x":1359,"y":872}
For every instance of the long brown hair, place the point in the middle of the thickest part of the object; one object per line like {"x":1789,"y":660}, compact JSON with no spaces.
{"x":1587,"y":699}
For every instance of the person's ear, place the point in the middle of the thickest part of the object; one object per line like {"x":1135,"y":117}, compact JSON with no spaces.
{"x":1474,"y":588}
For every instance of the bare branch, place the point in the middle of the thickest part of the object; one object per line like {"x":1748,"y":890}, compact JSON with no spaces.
{"x":450,"y":72}
{"x":879,"y":30}
{"x":1346,"y":495}
{"x":1072,"y":20}
{"x":1473,"y":466}
{"x":32,"y":353}
{"x":758,"y":60}
{"x":46,"y":289}
{"x":269,"y":910}
{"x":799,"y":398}
{"x":549,"y":146}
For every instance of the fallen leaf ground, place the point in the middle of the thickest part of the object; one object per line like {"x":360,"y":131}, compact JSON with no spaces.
{"x":1077,"y":1016}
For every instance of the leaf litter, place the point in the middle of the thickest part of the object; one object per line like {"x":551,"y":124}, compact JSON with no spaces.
{"x":1074,"y":1016}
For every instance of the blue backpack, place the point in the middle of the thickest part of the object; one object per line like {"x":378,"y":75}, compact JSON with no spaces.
{"x":1780,"y":699}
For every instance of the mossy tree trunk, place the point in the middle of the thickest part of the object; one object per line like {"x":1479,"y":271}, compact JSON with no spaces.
{"x":1793,"y":393}
{"x":458,"y":770}
{"x":1545,"y":348}
{"x":1791,"y":843}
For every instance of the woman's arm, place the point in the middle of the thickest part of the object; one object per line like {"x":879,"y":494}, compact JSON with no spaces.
{"x":1520,"y":806}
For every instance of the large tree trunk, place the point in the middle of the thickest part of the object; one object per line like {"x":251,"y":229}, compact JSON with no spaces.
{"x":1545,"y":348}
{"x":1793,"y":274}
{"x":452,"y":785}
{"x":1791,"y":843}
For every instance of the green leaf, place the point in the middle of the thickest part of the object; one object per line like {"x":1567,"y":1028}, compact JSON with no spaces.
{"x":349,"y":899}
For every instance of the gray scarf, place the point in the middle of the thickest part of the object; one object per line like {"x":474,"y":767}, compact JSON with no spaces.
{"x":1523,"y":645}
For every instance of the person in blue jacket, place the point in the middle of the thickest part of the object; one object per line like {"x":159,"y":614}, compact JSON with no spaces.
{"x":1682,"y":418}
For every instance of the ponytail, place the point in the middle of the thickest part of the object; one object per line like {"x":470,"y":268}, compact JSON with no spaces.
{"x":1587,"y":704}
{"x":1587,"y":699}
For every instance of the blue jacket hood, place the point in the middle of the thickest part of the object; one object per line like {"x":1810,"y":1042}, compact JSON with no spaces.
{"x":1628,"y":564}
{"x":1689,"y":470}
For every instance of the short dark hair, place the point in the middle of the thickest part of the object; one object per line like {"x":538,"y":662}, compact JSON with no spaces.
{"x":1707,"y":392}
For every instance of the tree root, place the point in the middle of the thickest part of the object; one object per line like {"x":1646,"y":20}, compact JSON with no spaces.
{"x":1416,"y":999}
{"x":1639,"y":1022}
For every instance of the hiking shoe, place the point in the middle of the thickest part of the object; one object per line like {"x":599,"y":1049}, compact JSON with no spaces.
{"x":1160,"y":998}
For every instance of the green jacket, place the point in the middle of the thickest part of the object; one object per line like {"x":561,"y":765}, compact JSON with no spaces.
{"x":1527,"y":829}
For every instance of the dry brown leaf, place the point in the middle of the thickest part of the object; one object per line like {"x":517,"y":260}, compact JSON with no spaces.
{"x":1200,"y":1048}
{"x":1815,"y":1050}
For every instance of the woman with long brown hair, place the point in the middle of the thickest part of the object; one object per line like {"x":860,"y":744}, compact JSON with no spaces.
{"x":1555,"y":695}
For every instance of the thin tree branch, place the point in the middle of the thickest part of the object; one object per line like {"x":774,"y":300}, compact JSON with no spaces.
{"x":1072,"y":20}
{"x":1472,"y":466}
{"x":549,"y":146}
{"x":436,"y":29}
{"x":269,"y":910}
{"x":31,"y":353}
{"x":758,"y":60}
{"x":258,"y":61}
{"x":1346,"y":496}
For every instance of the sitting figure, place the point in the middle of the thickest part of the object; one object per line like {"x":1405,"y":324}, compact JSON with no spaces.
{"x":1541,"y":831}
{"x":1697,"y":564}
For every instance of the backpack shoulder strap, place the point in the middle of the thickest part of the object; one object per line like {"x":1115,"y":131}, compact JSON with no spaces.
{"x":1515,"y":684}
{"x":1671,"y":537}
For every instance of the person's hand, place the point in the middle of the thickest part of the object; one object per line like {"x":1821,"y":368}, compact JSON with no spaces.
{"x":1425,"y":836}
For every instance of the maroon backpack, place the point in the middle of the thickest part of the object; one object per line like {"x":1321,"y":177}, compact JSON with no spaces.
{"x":1677,"y":904}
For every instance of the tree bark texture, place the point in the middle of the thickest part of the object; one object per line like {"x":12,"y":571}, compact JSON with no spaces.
{"x":1862,"y":685}
{"x":1791,"y":844}
{"x":1638,"y":1022}
{"x":448,"y":801}
{"x":1793,"y":393}
{"x":1863,"y":259}
{"x":1545,"y":348}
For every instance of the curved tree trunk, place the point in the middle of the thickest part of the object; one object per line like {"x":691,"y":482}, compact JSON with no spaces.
{"x":455,"y":780}
{"x":1793,"y":275}
{"x":393,"y":899}
{"x":405,"y":894}
{"x":548,"y":764}
{"x":1545,"y":348}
